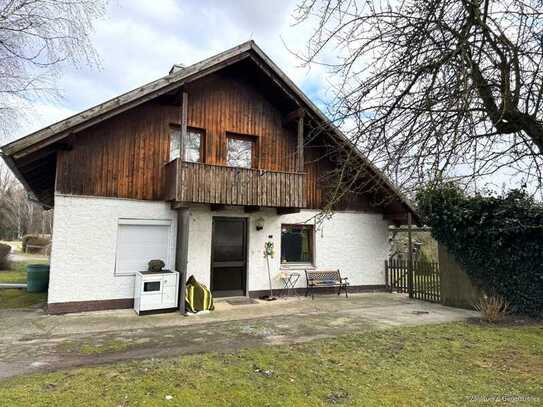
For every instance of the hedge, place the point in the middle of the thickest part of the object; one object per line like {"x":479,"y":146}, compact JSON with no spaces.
{"x":497,"y":239}
{"x":4,"y":251}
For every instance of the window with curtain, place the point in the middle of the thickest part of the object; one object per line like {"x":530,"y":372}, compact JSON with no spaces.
{"x":297,"y":244}
{"x":240,"y":151}
{"x":193,"y":146}
{"x":175,"y":142}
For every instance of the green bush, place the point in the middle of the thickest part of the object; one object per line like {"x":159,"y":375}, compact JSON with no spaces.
{"x":497,"y":239}
{"x":4,"y":251}
{"x":38,"y":240}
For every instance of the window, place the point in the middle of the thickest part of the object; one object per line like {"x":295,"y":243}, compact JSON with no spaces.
{"x":240,"y":151}
{"x":297,"y":244}
{"x":139,"y":241}
{"x":175,"y":142}
{"x":193,"y":146}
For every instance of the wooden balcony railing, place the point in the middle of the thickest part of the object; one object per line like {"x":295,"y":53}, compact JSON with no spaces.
{"x":218,"y":184}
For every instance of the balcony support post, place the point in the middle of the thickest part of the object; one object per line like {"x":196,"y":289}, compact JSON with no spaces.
{"x":184,"y":121}
{"x":301,"y":144}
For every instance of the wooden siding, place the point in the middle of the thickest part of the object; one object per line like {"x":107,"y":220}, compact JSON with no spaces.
{"x":122,"y":157}
{"x":126,"y":155}
{"x":218,"y":184}
{"x":223,"y":104}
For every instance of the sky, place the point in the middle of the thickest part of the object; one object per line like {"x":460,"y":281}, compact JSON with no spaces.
{"x":139,"y":40}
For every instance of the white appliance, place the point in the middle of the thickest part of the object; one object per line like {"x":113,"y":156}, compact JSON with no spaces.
{"x":155,"y":290}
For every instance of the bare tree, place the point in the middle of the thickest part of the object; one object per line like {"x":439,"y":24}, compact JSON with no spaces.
{"x":19,"y":215}
{"x":431,"y":89}
{"x":36,"y":38}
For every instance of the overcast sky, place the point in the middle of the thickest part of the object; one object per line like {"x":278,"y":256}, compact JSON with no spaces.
{"x":139,"y":40}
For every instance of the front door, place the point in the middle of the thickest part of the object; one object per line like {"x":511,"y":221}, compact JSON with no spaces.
{"x":228,"y":257}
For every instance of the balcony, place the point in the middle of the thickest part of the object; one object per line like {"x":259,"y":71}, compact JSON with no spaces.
{"x":188,"y":182}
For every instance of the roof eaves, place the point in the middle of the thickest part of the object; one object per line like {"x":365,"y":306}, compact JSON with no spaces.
{"x":336,"y":130}
{"x":160,"y":85}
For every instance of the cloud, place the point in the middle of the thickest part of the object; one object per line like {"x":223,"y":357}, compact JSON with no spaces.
{"x":138,"y":41}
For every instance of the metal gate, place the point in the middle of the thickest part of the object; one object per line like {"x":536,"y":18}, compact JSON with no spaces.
{"x":421,"y":281}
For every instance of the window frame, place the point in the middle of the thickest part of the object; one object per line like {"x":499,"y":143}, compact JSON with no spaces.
{"x":254,"y":151}
{"x":174,"y":127}
{"x":311,"y":235}
{"x":202,"y":134}
{"x":181,"y":156}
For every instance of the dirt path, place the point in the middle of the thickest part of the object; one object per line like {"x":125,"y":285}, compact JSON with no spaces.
{"x":37,"y":342}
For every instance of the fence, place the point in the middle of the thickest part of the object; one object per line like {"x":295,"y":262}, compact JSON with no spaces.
{"x":424,"y":283}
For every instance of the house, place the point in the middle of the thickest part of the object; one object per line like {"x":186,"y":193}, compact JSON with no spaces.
{"x":200,"y":168}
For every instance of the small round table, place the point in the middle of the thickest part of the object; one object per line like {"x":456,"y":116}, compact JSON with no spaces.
{"x":289,"y":283}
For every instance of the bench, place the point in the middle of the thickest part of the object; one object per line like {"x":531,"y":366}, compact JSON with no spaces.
{"x":327,"y":279}
{"x":37,"y":248}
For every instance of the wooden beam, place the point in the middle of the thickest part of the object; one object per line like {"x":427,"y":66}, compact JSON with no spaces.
{"x":251,"y":208}
{"x":184,"y":121}
{"x":37,"y":156}
{"x":294,"y":116}
{"x":216,"y":207}
{"x":179,"y":205}
{"x":286,"y":211}
{"x":301,"y":144}
{"x":409,"y":256}
{"x":30,"y":167}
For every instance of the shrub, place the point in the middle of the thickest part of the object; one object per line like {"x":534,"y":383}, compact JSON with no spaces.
{"x":37,"y":240}
{"x":4,"y":251}
{"x":498,"y":240}
{"x":493,"y":308}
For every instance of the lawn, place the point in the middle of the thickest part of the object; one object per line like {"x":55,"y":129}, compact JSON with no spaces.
{"x":17,"y":271}
{"x":452,"y":364}
{"x":18,"y":298}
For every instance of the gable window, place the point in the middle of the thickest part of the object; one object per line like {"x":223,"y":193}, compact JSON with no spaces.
{"x":193,"y":146}
{"x":241,"y":150}
{"x":297,"y":244}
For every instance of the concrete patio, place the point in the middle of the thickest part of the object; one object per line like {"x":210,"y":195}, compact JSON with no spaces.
{"x":33,"y":341}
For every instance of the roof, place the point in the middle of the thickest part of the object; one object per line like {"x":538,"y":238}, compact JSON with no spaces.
{"x":176,"y":78}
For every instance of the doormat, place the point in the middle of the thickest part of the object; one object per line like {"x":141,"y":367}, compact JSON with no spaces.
{"x":241,"y":301}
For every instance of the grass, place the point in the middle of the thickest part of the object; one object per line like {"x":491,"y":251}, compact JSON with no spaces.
{"x":17,"y":271}
{"x":450,"y":364}
{"x":11,"y":276}
{"x":19,"y":298}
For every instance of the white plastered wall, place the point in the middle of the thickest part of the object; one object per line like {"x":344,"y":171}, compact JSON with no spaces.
{"x":85,"y":238}
{"x":84,"y":246}
{"x":354,"y":242}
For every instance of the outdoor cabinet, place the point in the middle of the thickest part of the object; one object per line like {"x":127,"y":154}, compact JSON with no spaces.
{"x":155,"y":290}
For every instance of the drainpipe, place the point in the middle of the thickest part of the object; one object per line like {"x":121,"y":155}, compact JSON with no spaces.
{"x":181,"y":253}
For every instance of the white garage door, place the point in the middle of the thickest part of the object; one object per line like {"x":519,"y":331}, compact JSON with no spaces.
{"x":138,"y":243}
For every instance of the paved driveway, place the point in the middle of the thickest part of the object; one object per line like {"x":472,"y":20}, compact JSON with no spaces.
{"x":31,"y":340}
